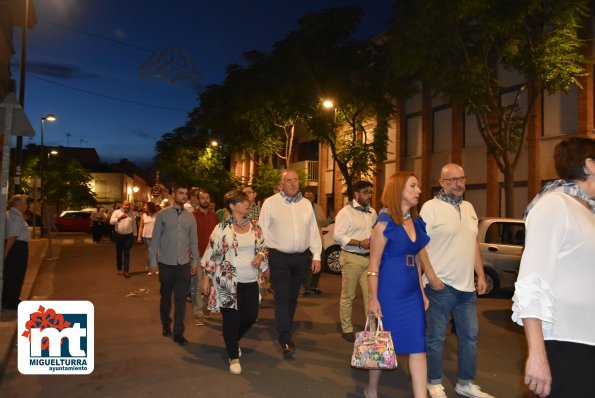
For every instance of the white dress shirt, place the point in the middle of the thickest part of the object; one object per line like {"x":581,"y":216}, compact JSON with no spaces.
{"x":124,"y":226}
{"x":290,"y":227}
{"x":351,"y":223}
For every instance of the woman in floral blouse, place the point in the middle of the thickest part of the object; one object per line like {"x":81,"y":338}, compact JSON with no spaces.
{"x":234,"y":261}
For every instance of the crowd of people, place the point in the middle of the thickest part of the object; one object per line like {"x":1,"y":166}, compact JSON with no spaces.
{"x":416,"y":270}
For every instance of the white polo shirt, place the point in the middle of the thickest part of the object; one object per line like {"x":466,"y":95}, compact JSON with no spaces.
{"x":453,"y":242}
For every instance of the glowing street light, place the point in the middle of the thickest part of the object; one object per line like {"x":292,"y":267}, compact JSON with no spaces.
{"x":214,"y":143}
{"x":49,"y":117}
{"x":328,"y":104}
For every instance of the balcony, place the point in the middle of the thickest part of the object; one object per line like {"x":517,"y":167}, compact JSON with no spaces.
{"x":309,"y":168}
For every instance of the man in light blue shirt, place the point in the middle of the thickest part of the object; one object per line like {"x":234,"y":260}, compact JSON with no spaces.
{"x":173,"y":248}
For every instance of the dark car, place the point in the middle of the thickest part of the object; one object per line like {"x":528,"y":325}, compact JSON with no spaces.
{"x":74,"y":221}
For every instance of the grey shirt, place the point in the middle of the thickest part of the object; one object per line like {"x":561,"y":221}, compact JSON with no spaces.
{"x":174,"y":238}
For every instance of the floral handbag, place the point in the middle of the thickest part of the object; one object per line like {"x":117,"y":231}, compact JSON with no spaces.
{"x":374,"y":349}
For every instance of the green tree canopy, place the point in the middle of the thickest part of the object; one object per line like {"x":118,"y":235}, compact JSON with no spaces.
{"x":455,"y":49}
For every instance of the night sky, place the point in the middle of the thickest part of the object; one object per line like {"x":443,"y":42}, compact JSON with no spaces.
{"x":97,"y":66}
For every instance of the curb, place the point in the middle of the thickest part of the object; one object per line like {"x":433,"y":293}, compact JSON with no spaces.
{"x":8,"y":318}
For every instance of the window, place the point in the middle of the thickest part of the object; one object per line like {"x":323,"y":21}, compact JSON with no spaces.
{"x":506,"y":233}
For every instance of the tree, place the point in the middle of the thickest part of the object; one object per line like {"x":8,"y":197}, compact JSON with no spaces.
{"x":67,"y":184}
{"x":455,"y":49}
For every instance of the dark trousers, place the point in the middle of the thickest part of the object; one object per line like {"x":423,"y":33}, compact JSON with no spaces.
{"x":311,"y":281}
{"x":98,"y":228}
{"x":15,"y":267}
{"x":236,"y":322}
{"x":174,"y":279}
{"x":123,"y":245}
{"x":288,"y":271}
{"x":572,"y":366}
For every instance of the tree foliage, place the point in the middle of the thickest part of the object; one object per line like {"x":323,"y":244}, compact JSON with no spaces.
{"x":457,"y":48}
{"x":67,"y":184}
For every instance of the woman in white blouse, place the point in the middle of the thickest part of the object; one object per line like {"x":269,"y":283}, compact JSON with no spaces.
{"x":145,"y":229}
{"x":234,"y":261}
{"x":554,"y":297}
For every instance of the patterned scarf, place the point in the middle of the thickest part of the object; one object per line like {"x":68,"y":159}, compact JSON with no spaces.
{"x":363,"y":209}
{"x":244,"y":222}
{"x":291,"y":199}
{"x":566,"y":186}
{"x":456,"y":202}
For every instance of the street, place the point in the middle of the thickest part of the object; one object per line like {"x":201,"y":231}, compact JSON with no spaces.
{"x":132,"y":359}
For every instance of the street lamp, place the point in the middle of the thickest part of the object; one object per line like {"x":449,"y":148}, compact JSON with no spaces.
{"x":214,"y":143}
{"x":328,"y":104}
{"x":49,"y":117}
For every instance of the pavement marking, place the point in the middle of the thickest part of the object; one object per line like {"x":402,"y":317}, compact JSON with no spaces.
{"x":68,"y":241}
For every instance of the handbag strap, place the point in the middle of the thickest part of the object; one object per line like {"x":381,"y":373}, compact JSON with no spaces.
{"x":379,"y":325}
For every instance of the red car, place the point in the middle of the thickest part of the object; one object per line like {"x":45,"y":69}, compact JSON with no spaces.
{"x":74,"y":221}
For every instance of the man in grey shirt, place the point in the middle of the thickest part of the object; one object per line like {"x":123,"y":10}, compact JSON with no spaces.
{"x":174,"y":239}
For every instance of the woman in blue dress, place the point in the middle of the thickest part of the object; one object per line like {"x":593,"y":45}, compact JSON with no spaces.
{"x":394,"y":277}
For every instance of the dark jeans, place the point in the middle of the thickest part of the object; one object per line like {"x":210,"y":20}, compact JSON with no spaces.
{"x":123,"y":245}
{"x":311,"y":281}
{"x":173,"y":278}
{"x":15,"y":267}
{"x":572,"y":366}
{"x":288,"y":271}
{"x":236,"y":322}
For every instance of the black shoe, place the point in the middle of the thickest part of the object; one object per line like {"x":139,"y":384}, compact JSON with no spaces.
{"x":180,"y":340}
{"x":166,"y":331}
{"x":349,"y":336}
{"x":307,"y":293}
{"x":287,"y":350}
{"x":317,"y":291}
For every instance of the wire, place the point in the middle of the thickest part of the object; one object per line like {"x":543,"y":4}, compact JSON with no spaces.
{"x":108,"y":96}
{"x":95,"y":35}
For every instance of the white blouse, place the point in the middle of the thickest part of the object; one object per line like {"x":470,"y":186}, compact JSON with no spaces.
{"x":148,"y":224}
{"x":557,"y":272}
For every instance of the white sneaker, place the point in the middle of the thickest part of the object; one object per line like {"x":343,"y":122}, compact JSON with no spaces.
{"x":436,"y":390}
{"x":471,"y":390}
{"x":235,"y":368}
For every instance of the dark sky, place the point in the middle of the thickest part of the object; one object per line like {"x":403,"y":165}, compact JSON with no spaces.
{"x":84,"y":62}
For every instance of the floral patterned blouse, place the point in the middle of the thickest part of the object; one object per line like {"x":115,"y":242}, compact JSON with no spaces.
{"x":219,"y":263}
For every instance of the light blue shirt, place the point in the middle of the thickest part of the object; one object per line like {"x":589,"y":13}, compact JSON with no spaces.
{"x":16,"y":225}
{"x":174,"y":238}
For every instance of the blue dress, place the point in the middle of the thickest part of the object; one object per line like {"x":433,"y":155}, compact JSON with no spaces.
{"x":399,"y":292}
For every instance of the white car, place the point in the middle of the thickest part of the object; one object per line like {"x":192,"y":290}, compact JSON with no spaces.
{"x":330,"y":250}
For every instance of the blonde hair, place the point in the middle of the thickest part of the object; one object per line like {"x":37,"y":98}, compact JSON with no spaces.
{"x":392,"y":196}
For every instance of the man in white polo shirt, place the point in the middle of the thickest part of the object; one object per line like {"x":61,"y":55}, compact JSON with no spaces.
{"x":289,"y":226}
{"x":453,"y":250}
{"x":124,"y":224}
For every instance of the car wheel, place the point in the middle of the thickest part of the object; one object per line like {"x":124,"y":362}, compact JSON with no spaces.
{"x":492,"y":282}
{"x":331,"y":259}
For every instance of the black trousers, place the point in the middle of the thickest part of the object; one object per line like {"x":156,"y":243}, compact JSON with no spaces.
{"x":236,"y":322}
{"x":98,"y":228}
{"x":572,"y":366}
{"x":15,"y":267}
{"x":123,"y":245}
{"x":288,"y":271}
{"x":174,"y":279}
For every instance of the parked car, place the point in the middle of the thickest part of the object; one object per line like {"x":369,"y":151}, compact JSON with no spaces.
{"x":330,"y":250}
{"x":74,"y":221}
{"x":501,"y":244}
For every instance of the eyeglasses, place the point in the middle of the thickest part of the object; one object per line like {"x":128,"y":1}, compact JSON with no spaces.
{"x":248,"y":192}
{"x":454,"y":179}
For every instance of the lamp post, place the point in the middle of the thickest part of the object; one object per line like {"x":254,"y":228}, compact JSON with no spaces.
{"x":329,"y":104}
{"x":49,"y":117}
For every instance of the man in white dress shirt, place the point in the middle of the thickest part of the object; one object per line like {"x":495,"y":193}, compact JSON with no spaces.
{"x":289,"y":226}
{"x":124,"y":223}
{"x":353,"y":227}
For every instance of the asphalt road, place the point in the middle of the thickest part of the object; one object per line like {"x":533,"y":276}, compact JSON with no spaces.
{"x":132,"y":359}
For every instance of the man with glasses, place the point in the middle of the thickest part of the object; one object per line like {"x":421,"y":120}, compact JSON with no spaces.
{"x":254,"y":211}
{"x":453,"y":251}
{"x":353,"y":227}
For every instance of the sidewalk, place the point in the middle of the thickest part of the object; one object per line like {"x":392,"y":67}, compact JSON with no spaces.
{"x":8,"y":318}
